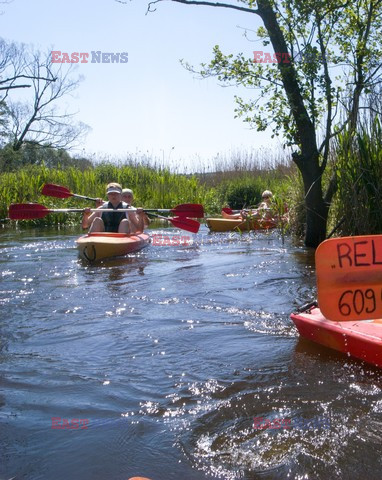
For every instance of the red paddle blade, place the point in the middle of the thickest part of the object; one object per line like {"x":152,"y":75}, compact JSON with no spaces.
{"x":52,"y":190}
{"x":227,"y":210}
{"x":185,"y":224}
{"x":194,"y":210}
{"x":27,"y":211}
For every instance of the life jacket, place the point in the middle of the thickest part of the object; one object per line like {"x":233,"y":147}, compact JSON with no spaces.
{"x":112,"y":220}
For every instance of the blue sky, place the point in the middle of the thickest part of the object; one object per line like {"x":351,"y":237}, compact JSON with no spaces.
{"x":150,"y":104}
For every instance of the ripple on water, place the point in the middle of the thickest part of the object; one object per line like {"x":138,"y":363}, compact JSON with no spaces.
{"x":183,"y":348}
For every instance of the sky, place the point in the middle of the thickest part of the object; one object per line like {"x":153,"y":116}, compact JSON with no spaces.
{"x":150,"y":105}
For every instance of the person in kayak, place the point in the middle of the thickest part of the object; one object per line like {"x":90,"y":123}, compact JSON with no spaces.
{"x":262,"y":211}
{"x":112,"y":221}
{"x":128,"y":197}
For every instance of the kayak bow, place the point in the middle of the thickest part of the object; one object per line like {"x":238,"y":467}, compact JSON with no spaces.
{"x":97,"y":246}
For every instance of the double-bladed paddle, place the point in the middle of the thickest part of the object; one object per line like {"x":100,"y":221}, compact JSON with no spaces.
{"x":349,"y":278}
{"x":193,"y":210}
{"x":30,"y":211}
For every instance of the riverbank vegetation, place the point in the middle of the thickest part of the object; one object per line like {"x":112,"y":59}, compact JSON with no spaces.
{"x":237,"y":181}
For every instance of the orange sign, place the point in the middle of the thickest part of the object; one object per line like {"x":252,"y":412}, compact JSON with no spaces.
{"x":349,"y":278}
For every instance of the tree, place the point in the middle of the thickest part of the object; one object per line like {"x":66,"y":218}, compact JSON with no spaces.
{"x":36,"y":120}
{"x":11,"y":63}
{"x":302,"y":95}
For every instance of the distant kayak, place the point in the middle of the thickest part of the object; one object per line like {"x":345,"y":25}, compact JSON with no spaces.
{"x":228,"y":225}
{"x":97,"y":246}
{"x":361,"y":339}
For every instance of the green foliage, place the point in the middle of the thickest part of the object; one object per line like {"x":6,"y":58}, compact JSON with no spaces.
{"x":359,"y":172}
{"x":237,"y":181}
{"x":33,"y":154}
{"x":293,"y":193}
{"x":153,"y":188}
{"x":319,"y":35}
{"x":241,"y":193}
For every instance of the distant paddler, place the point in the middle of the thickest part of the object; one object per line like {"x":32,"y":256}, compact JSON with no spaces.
{"x":263,"y":211}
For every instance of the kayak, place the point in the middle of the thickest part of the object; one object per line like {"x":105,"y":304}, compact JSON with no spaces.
{"x":361,"y":338}
{"x":97,"y":246}
{"x":228,"y":224}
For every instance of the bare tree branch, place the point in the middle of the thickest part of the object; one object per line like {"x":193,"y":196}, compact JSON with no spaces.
{"x":39,"y":121}
{"x":14,"y":86}
{"x":200,"y":2}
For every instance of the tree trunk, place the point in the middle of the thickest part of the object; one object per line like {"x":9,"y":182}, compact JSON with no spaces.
{"x":308,"y":160}
{"x":316,"y":208}
{"x":316,"y":217}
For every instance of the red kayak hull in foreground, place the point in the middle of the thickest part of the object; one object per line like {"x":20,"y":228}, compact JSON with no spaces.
{"x":97,"y":246}
{"x":360,"y":339}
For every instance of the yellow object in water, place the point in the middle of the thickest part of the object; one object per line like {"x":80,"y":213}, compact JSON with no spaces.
{"x":97,"y":246}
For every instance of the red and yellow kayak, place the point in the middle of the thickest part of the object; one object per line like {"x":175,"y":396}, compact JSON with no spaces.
{"x":361,"y":338}
{"x":97,"y":246}
{"x":229,"y":225}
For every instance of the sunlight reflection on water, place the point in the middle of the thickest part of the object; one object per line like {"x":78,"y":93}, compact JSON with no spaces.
{"x":180,"y":348}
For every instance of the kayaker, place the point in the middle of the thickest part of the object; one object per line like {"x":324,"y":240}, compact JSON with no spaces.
{"x":262,"y":211}
{"x":266,"y":198}
{"x":112,"y":221}
{"x":128,"y":197}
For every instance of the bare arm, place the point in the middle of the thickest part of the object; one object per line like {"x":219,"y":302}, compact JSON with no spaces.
{"x":137,"y":220}
{"x":88,"y":218}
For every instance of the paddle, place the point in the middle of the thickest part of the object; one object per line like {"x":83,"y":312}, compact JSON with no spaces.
{"x":193,"y":210}
{"x":181,"y":222}
{"x":349,"y":278}
{"x":30,"y":211}
{"x":52,"y":190}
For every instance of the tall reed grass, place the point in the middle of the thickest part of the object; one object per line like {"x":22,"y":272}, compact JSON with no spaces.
{"x":359,"y":170}
{"x":153,"y":186}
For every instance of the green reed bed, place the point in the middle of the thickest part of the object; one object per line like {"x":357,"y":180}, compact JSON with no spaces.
{"x":359,"y":170}
{"x":152,"y":188}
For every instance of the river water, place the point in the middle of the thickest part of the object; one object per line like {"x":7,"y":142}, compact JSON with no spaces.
{"x":163,"y":364}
